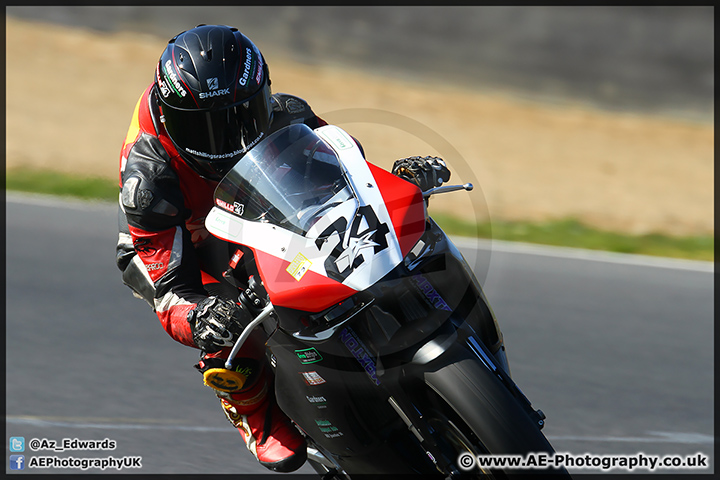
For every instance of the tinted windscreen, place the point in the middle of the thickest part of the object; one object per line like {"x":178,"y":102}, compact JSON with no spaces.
{"x":289,"y":179}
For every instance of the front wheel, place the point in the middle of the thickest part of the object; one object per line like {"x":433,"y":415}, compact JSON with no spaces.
{"x":469,"y":412}
{"x":455,"y":448}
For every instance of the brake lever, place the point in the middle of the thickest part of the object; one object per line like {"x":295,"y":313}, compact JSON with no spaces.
{"x":262,"y":316}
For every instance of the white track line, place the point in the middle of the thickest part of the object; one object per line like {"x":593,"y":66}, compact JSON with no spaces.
{"x":98,"y":423}
{"x":464,"y":242}
{"x":582,"y":254}
{"x":150,"y":424}
{"x":654,"y":437}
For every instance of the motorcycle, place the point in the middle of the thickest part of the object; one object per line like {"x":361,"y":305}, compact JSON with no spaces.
{"x":385,"y":351}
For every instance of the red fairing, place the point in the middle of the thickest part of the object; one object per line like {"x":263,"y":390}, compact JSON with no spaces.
{"x":312,"y":293}
{"x":405,"y":205}
{"x":315,"y":292}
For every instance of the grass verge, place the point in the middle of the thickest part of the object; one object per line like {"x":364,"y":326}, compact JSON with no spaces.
{"x":572,"y":233}
{"x":55,"y":183}
{"x":566,"y":233}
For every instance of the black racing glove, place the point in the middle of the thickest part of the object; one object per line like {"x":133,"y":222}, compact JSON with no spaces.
{"x":425,"y":172}
{"x":216,"y":323}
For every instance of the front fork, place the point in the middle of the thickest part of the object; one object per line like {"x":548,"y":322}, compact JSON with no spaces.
{"x":455,"y":346}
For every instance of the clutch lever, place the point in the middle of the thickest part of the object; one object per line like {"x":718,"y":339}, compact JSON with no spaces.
{"x":446,"y":189}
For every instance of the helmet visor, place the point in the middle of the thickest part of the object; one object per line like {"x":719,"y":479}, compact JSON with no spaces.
{"x":216,"y":139}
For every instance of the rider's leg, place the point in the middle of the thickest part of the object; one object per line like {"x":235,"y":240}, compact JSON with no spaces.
{"x":248,"y":400}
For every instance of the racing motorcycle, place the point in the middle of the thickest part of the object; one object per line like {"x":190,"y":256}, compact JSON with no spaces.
{"x":385,"y":351}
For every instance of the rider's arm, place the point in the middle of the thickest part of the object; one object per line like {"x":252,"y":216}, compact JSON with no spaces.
{"x":165,"y":266}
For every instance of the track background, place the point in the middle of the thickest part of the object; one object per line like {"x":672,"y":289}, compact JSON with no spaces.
{"x":602,"y":114}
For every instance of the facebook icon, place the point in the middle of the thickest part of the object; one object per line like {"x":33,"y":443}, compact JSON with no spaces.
{"x":17,"y":462}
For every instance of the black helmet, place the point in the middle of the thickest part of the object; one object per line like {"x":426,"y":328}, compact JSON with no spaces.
{"x":213,"y":88}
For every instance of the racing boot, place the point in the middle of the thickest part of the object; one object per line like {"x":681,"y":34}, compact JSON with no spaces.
{"x":267,"y":431}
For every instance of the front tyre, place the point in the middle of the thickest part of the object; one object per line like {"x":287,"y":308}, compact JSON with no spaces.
{"x":471,"y":413}
{"x":457,"y":451}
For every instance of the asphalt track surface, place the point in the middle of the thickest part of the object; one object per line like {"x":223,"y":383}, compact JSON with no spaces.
{"x":616,"y":350}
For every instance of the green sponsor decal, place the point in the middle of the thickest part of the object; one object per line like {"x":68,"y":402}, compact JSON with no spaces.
{"x":308,"y":355}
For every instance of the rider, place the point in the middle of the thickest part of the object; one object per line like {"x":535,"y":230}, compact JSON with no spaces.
{"x":210,"y":102}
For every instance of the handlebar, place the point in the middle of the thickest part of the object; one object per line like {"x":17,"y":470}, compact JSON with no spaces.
{"x":262,"y":316}
{"x":446,"y":189}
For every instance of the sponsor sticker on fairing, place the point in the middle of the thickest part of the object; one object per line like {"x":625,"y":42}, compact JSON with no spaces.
{"x":299,"y":267}
{"x":308,"y":355}
{"x":351,"y":341}
{"x":327,"y":428}
{"x":318,"y":400}
{"x":432,"y":295}
{"x":312,"y":378}
{"x":236,"y":208}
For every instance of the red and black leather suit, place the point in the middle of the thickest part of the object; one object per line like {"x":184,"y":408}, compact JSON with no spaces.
{"x":164,"y":251}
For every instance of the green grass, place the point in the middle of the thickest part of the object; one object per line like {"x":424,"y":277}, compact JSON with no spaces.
{"x":572,"y":233}
{"x":568,"y":233}
{"x":54,"y":183}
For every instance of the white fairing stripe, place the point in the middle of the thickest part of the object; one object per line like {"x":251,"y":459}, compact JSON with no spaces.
{"x":366,"y":189}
